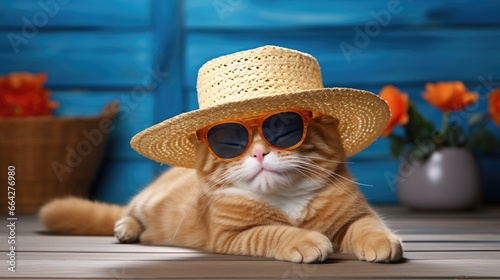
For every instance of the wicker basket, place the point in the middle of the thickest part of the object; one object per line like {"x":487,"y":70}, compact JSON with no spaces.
{"x":53,"y":157}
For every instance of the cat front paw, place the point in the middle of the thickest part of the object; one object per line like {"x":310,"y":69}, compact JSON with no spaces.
{"x":307,"y":248}
{"x":380,"y":247}
{"x":128,"y":230}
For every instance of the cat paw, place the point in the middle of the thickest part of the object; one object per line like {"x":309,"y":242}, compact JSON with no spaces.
{"x":380,"y":247}
{"x":311,"y":247}
{"x":127,"y":230}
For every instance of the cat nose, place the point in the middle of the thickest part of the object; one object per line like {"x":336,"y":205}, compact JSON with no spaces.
{"x":259,"y":153}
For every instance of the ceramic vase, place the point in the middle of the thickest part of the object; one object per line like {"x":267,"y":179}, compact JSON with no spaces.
{"x":448,"y":180}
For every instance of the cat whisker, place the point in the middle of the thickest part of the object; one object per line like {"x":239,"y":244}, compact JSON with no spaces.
{"x":190,"y":206}
{"x":206,"y":205}
{"x":226,"y":177}
{"x":301,"y":164}
{"x":213,"y":194}
{"x":204,"y":190}
{"x":303,"y":173}
{"x":308,"y":157}
{"x":342,"y":186}
{"x":320,"y":171}
{"x":350,"y":180}
{"x":309,"y":170}
{"x":338,"y":178}
{"x":300,"y":169}
{"x":348,"y":191}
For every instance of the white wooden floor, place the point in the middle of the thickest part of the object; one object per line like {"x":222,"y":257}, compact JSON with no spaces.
{"x":437,"y":245}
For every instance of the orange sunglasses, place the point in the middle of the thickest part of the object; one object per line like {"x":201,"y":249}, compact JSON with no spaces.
{"x":230,"y":140}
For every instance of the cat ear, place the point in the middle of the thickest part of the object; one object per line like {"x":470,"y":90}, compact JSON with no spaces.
{"x":198,"y":144}
{"x":193,"y":139}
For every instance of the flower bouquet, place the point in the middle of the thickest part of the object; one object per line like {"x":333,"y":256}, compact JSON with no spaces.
{"x":23,"y":95}
{"x":50,"y":156}
{"x":438,"y":170}
{"x":450,"y":98}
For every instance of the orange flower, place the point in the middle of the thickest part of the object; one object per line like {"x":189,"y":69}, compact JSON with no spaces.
{"x":449,"y":96}
{"x":398,"y":103}
{"x":494,"y":106}
{"x":22,"y":95}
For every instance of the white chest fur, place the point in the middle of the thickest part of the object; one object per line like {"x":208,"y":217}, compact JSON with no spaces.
{"x":290,"y":204}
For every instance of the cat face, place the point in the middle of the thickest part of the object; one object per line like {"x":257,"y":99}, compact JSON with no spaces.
{"x":266,"y":170}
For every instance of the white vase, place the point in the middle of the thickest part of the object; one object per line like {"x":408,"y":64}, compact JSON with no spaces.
{"x":448,"y":180}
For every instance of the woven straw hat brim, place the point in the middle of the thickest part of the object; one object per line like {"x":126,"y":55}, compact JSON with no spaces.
{"x":362,"y":117}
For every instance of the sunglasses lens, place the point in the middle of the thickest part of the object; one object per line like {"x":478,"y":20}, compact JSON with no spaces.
{"x":283,"y":130}
{"x":228,"y":140}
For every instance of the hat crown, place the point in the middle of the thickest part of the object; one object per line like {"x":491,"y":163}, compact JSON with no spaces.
{"x":259,"y":72}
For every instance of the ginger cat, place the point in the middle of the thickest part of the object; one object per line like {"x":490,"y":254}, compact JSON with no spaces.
{"x":301,"y":207}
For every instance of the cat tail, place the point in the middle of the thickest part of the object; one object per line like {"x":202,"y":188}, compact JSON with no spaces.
{"x":78,"y":216}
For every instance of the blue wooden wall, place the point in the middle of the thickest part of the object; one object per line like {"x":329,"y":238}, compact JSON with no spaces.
{"x":97,"y":51}
{"x":146,"y":54}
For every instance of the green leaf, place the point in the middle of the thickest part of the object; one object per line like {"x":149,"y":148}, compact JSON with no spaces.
{"x":397,"y":145}
{"x":418,"y":128}
{"x":422,"y":150}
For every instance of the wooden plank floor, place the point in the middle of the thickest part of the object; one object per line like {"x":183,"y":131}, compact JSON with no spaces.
{"x":437,"y":245}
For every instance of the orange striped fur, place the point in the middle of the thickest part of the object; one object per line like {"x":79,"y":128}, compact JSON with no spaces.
{"x":77,"y":216}
{"x":302,"y":209}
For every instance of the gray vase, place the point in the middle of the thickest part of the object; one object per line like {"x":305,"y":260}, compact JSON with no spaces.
{"x":448,"y":180}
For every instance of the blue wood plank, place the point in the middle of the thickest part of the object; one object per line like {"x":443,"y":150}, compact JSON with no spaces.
{"x":120,"y":181}
{"x":136,"y":114}
{"x":75,"y":13}
{"x":394,"y":56}
{"x":373,"y":173}
{"x":263,"y":14}
{"x":190,"y":97}
{"x":106,"y":59}
{"x":168,"y":51}
{"x":491,"y":178}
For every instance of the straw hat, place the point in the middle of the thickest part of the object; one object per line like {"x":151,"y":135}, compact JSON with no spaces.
{"x":256,"y":81}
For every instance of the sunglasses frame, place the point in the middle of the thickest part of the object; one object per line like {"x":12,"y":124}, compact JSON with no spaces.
{"x":256,"y":121}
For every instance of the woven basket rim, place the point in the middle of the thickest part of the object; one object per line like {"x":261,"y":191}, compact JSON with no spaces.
{"x":110,"y":110}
